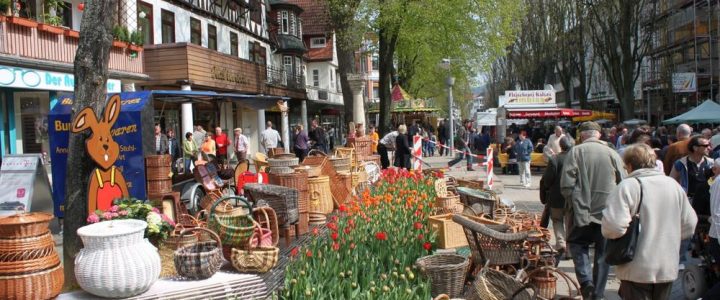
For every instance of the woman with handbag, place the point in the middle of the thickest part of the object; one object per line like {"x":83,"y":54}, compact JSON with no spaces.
{"x":646,"y":208}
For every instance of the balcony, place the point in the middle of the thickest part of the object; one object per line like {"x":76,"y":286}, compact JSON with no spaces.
{"x":319,"y":94}
{"x":26,"y":42}
{"x":279,"y":76}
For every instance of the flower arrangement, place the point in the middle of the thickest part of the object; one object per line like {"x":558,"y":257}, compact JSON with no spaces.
{"x":159,"y":225}
{"x":370,"y":246}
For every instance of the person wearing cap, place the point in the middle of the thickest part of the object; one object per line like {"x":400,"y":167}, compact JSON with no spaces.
{"x":241,"y":144}
{"x":678,"y":149}
{"x":590,"y":172}
{"x":523,"y":149}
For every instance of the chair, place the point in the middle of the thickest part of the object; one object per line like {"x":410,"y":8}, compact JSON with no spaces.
{"x":490,"y":243}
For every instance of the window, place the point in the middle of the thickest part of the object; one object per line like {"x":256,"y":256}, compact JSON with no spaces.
{"x":256,"y":11}
{"x":332,"y":77}
{"x":316,"y":78}
{"x":288,"y":64}
{"x":195,"y":31}
{"x":285,"y":22}
{"x":66,"y":14}
{"x":233,"y":44}
{"x":168,"y":26}
{"x":145,"y":25}
{"x":212,"y":37}
{"x":376,"y":93}
{"x":256,"y":52}
{"x":298,"y":65}
{"x":292,"y":24}
{"x":318,"y":42}
{"x":375,"y":65}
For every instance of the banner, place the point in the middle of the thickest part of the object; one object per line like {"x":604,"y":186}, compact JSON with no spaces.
{"x":127,"y":132}
{"x":539,"y":98}
{"x":684,"y":83}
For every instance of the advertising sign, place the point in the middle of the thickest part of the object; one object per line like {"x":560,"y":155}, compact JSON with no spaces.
{"x":24,"y":184}
{"x":684,"y":83}
{"x":127,"y":132}
{"x":23,"y":78}
{"x":539,"y":98}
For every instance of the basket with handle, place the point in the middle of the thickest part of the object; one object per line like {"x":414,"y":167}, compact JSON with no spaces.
{"x":319,"y":160}
{"x":255,"y":260}
{"x":200,"y":260}
{"x":234,"y":231}
{"x":544,"y":279}
{"x":491,"y":284}
{"x":269,"y":233}
{"x":446,"y":272}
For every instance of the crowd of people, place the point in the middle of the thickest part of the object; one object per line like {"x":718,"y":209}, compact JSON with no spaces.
{"x":593,"y":191}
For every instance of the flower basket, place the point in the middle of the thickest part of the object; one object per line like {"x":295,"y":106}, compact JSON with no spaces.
{"x":446,"y":273}
{"x":136,"y":48}
{"x":450,"y":234}
{"x":200,"y":260}
{"x":51,"y":29}
{"x":22,"y":22}
{"x":256,"y":260}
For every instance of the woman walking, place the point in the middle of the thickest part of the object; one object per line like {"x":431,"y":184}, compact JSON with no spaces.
{"x":402,"y":151}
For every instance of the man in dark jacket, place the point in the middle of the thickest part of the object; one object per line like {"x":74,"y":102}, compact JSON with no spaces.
{"x":461,"y":143}
{"x":550,"y":193}
{"x":317,"y":136}
{"x":443,"y":137}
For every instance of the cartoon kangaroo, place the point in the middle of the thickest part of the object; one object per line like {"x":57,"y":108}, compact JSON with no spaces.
{"x":106,"y":182}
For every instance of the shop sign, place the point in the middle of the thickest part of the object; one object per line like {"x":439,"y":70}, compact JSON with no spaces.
{"x":22,"y":78}
{"x":223,"y":73}
{"x":539,"y":98}
{"x":24,"y":184}
{"x":127,"y":132}
{"x":684,"y":83}
{"x":550,"y":113}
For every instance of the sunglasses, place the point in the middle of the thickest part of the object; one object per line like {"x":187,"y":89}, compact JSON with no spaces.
{"x":703,"y":145}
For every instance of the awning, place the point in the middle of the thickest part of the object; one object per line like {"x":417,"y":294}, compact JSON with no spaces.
{"x":596,"y":115}
{"x":247,"y":100}
{"x":547,"y":113}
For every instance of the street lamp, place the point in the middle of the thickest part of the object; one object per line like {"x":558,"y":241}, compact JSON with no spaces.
{"x":450,"y":81}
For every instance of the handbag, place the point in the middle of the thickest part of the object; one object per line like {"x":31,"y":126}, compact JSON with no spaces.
{"x":622,"y":250}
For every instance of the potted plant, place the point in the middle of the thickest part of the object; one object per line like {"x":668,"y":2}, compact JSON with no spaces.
{"x":52,"y":24}
{"x":72,"y":33}
{"x":121,"y":35}
{"x":136,"y":41}
{"x":4,"y":9}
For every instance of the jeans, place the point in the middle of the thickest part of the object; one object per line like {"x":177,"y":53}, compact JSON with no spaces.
{"x":466,"y":154}
{"x":525,"y":179}
{"x":579,"y":243}
{"x":384,"y":159}
{"x":187,"y":161}
{"x":444,"y":151}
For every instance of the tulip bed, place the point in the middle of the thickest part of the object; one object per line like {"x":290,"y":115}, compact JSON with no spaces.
{"x":370,"y":246}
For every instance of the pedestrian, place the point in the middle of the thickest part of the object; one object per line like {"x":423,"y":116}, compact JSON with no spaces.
{"x":174,"y":149}
{"x":677,"y":149}
{"x":666,"y":218}
{"x":161,"y":141}
{"x":241,"y":145}
{"x":461,"y":144}
{"x":269,"y":138}
{"x":523,"y":149}
{"x":375,"y":139}
{"x":442,"y":137}
{"x":317,"y":136}
{"x":553,"y":147}
{"x":301,"y":143}
{"x":387,"y":143}
{"x":331,"y":136}
{"x":198,"y":136}
{"x":508,"y":148}
{"x":402,"y":150}
{"x":550,"y":193}
{"x":433,"y":142}
{"x":590,"y":171}
{"x":208,"y":148}
{"x":713,"y":246}
{"x":221,"y":144}
{"x":190,"y":151}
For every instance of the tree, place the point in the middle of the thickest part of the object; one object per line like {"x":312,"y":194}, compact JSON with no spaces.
{"x":91,"y":74}
{"x":573,"y":48}
{"x":620,"y":45}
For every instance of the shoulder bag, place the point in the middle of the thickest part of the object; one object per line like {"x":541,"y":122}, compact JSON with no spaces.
{"x":622,"y":250}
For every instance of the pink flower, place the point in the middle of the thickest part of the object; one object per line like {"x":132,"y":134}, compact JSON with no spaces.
{"x":155,"y":210}
{"x":114,"y":208}
{"x":107,"y":215}
{"x":123,"y":213}
{"x":93,"y":218}
{"x":114,"y":215}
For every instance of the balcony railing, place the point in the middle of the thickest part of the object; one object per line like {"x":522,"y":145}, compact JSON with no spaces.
{"x":279,"y":76}
{"x":27,"y":39}
{"x":319,"y":94}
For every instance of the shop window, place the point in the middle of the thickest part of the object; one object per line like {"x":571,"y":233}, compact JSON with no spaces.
{"x":195,"y":32}
{"x":233,"y":44}
{"x":317,"y":42}
{"x":168,"y":26}
{"x":285,"y":22}
{"x":316,"y":77}
{"x":145,"y":22}
{"x":212,"y":37}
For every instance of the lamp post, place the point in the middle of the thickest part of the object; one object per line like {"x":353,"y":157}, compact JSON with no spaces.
{"x":450,"y":81}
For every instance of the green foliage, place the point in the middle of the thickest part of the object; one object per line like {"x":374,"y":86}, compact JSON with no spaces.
{"x":121,"y":33}
{"x":136,"y":38}
{"x":4,"y":4}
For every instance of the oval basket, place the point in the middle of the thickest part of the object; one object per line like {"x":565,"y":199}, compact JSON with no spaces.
{"x":41,"y":285}
{"x":200,"y":260}
{"x":446,"y":273}
{"x":24,"y":225}
{"x":257,"y":260}
{"x":283,"y":162}
{"x":280,"y":170}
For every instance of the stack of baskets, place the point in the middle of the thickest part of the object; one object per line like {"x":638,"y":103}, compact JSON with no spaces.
{"x":282,"y":165}
{"x":341,"y":164}
{"x":299,"y":181}
{"x":159,"y":175}
{"x":446,"y":273}
{"x":30,"y":267}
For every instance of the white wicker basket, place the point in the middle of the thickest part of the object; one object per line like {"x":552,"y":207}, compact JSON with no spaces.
{"x":280,"y":170}
{"x":117,"y":261}
{"x":283,"y":162}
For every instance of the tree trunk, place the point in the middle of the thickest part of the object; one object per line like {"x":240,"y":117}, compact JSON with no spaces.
{"x":387,"y":40}
{"x":91,"y":73}
{"x":346,"y":66}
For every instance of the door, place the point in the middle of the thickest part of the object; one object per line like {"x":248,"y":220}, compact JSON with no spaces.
{"x":31,"y":111}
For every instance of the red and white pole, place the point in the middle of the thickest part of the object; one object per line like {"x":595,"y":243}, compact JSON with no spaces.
{"x":417,"y":152}
{"x":489,"y":167}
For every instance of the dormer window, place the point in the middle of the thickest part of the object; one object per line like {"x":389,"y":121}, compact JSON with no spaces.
{"x":317,"y":42}
{"x":285,"y":22}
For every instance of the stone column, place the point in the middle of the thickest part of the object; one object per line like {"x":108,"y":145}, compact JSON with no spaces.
{"x":187,"y":114}
{"x":284,"y":109}
{"x":261,"y":127}
{"x":356,"y":86}
{"x":304,"y":113}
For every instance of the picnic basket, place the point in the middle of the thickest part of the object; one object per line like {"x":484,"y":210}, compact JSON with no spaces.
{"x":267,"y":219}
{"x":446,"y":273}
{"x":199,"y":260}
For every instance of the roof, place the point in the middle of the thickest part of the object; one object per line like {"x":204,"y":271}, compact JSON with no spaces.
{"x":316,"y":18}
{"x":285,"y":3}
{"x":319,"y":54}
{"x":707,"y":112}
{"x":290,"y":43}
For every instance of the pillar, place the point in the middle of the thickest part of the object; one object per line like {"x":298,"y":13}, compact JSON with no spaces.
{"x":286,"y":128}
{"x":304,"y":114}
{"x":356,"y":86}
{"x":187,"y":113}
{"x":261,"y":127}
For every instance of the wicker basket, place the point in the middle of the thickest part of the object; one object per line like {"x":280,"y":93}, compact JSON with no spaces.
{"x":495,"y":285}
{"x":446,"y":273}
{"x":303,"y":225}
{"x":25,"y":248}
{"x":273,"y":152}
{"x":362,"y":145}
{"x":341,"y":188}
{"x":320,"y":195}
{"x":257,"y":260}
{"x":545,"y":280}
{"x":450,"y":234}
{"x":280,"y":170}
{"x":282,"y":199}
{"x":158,"y":174}
{"x":267,"y":219}
{"x":234,"y":231}
{"x":283,"y":162}
{"x":298,"y":181}
{"x":46,"y":284}
{"x":470,"y":196}
{"x":24,"y":225}
{"x":448,"y":202}
{"x":311,"y":171}
{"x":341,"y":164}
{"x":200,"y":260}
{"x":317,"y":218}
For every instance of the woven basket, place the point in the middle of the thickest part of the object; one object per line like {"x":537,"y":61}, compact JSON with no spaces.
{"x":24,"y":225}
{"x":317,"y":218}
{"x":29,"y":266}
{"x":545,"y":280}
{"x":495,"y":285}
{"x":282,"y":199}
{"x":321,"y":161}
{"x":448,"y":202}
{"x":234,"y":231}
{"x":546,"y":284}
{"x":283,"y":162}
{"x":303,"y":224}
{"x":341,"y":164}
{"x":280,"y":170}
{"x":362,"y":145}
{"x":46,"y":284}
{"x":341,"y":187}
{"x":19,"y":248}
{"x":257,"y":260}
{"x":200,"y":260}
{"x":470,"y":196}
{"x":446,"y":273}
{"x":267,"y":219}
{"x":321,"y":199}
{"x":450,"y":234}
{"x":158,"y":161}
{"x":296,"y":180}
{"x":310,"y":171}
{"x":273,"y":152}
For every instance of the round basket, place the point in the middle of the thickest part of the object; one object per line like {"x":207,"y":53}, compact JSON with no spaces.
{"x":446,"y":273}
{"x":280,"y":170}
{"x":448,"y":202}
{"x":158,"y":160}
{"x":546,"y":284}
{"x":317,"y":218}
{"x":12,"y":250}
{"x":311,"y":171}
{"x":283,"y":162}
{"x":29,"y":266}
{"x":200,"y":260}
{"x":40,"y":285}
{"x":24,"y":225}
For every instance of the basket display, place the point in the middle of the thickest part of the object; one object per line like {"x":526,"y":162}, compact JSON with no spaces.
{"x":26,"y":248}
{"x":280,"y":170}
{"x":491,"y":284}
{"x":341,"y":164}
{"x":283,"y":200}
{"x":446,"y":273}
{"x":469,"y":197}
{"x":267,"y":219}
{"x":341,"y":188}
{"x":234,"y":231}
{"x":450,"y":234}
{"x":362,"y":145}
{"x":311,"y":171}
{"x":255,"y":260}
{"x":158,"y":174}
{"x":296,"y":180}
{"x":200,"y":260}
{"x":46,"y":284}
{"x":283,"y":162}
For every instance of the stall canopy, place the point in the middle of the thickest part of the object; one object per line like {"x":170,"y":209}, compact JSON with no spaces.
{"x":596,"y":116}
{"x":707,"y":112}
{"x":547,"y":112}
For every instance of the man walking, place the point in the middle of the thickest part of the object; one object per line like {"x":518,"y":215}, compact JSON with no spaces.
{"x":221,"y":142}
{"x":269,"y":138}
{"x":591,"y":170}
{"x":523,"y":150}
{"x":241,"y":145}
{"x":317,"y":136}
{"x":443,"y":138}
{"x":553,"y":144}
{"x":198,"y":136}
{"x":387,"y":143}
{"x":461,"y":144}
{"x":161,"y":141}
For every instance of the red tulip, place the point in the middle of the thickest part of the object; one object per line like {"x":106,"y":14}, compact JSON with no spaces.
{"x":418,"y":225}
{"x":381,"y":236}
{"x":315,"y":231}
{"x":343,"y":208}
{"x":81,"y":6}
{"x":308,"y":253}
{"x":334,"y":236}
{"x":421,"y":237}
{"x":347,"y":230}
{"x":336,"y":246}
{"x":332,"y":226}
{"x":352,"y":245}
{"x":294,"y":252}
{"x":427,"y":246}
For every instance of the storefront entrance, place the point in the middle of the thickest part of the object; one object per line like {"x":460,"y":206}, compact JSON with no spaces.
{"x":31,"y":111}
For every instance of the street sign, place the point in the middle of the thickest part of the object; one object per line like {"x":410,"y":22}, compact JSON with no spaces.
{"x":24,"y":185}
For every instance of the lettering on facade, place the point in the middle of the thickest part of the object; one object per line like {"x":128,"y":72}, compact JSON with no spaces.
{"x":225,"y":74}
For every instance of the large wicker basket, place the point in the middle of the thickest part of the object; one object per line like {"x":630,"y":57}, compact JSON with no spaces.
{"x":255,"y":260}
{"x":446,"y":273}
{"x":282,"y":162}
{"x":297,"y":180}
{"x":46,"y":284}
{"x":283,"y":200}
{"x":450,"y":234}
{"x":321,"y":200}
{"x":488,"y":200}
{"x":234,"y":231}
{"x":200,"y":260}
